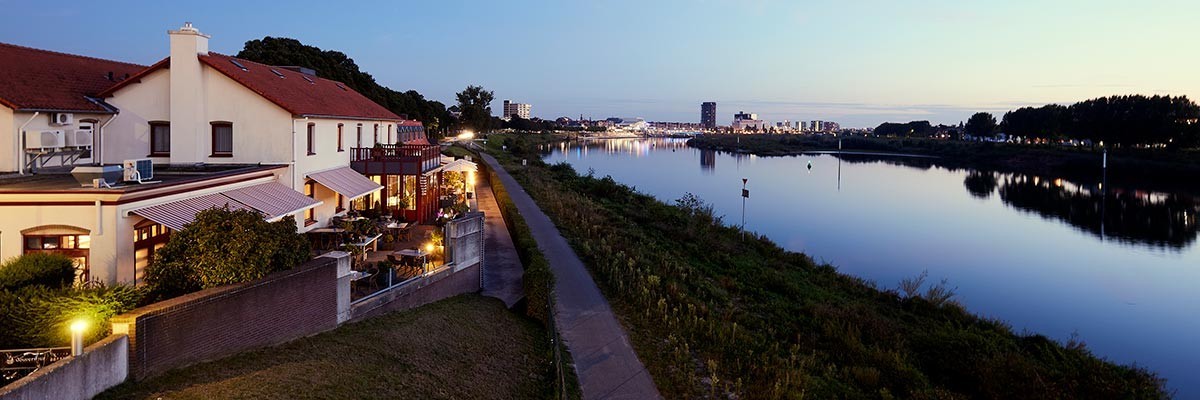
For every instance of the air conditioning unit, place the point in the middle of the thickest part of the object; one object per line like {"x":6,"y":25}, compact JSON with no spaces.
{"x":44,"y":140}
{"x":80,"y":138}
{"x":138,"y":170}
{"x":62,"y":119}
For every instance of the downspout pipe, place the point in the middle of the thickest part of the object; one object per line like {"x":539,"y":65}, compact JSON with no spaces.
{"x":98,"y":146}
{"x":20,"y":139}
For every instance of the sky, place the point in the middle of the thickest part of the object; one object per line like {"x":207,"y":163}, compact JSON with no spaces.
{"x":858,"y":63}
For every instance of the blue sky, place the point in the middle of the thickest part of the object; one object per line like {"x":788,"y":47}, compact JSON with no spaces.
{"x":855,"y":62}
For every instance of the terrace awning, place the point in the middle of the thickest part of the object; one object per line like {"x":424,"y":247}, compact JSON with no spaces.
{"x":346,"y":182}
{"x":178,"y":213}
{"x":272,"y":199}
{"x":456,"y":165}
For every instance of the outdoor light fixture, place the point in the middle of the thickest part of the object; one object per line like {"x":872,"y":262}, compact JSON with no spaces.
{"x":466,"y":135}
{"x":429,"y":248}
{"x":77,"y":329}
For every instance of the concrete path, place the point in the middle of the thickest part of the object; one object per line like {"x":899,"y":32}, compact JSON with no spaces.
{"x":605,"y":362}
{"x":502,"y":272}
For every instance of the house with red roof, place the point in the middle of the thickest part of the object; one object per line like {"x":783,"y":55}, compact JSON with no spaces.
{"x":149,"y":146}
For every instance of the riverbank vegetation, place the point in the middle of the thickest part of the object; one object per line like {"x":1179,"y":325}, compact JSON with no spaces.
{"x":713,"y":315}
{"x":1150,"y":168}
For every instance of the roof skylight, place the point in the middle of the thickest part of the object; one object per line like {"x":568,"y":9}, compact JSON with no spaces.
{"x":238,"y":64}
{"x":277,"y":73}
{"x":308,"y":79}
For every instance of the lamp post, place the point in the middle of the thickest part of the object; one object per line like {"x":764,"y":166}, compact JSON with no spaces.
{"x":77,"y":329}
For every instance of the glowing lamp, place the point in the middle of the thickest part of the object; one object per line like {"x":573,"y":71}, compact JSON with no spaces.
{"x":77,"y":329}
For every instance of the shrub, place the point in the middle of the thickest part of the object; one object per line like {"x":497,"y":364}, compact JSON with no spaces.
{"x":37,"y":316}
{"x":224,"y":247}
{"x":49,"y":270}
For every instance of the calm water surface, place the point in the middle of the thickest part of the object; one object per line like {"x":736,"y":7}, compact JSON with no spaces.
{"x":1047,"y":255}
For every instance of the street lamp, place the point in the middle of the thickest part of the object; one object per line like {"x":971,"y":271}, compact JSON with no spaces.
{"x":77,"y":329}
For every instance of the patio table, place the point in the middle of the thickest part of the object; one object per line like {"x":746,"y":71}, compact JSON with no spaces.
{"x":415,"y":253}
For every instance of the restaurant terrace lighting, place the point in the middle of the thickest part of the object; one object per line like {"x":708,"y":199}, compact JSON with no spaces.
{"x":466,"y":135}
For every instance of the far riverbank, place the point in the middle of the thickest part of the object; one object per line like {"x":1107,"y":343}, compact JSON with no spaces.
{"x":1158,"y":168}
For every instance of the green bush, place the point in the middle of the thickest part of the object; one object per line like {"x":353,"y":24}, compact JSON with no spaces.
{"x":538,"y":281}
{"x":49,"y":270}
{"x":37,"y":316}
{"x":223,"y":247}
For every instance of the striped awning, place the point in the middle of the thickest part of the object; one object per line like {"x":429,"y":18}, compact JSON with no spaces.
{"x":178,"y":213}
{"x":346,"y":182}
{"x":272,"y":199}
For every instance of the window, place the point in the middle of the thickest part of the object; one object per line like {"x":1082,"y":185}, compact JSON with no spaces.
{"x":310,"y":215}
{"x":222,"y":139}
{"x":340,"y":148}
{"x":341,"y":203}
{"x":73,"y":246}
{"x":377,"y":133}
{"x":160,"y":139}
{"x":389,"y":131}
{"x":148,"y":238}
{"x":312,"y":138}
{"x":359,"y":141}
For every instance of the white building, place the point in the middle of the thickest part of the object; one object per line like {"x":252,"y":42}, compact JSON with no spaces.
{"x":219,"y":131}
{"x":517,"y":109}
{"x":746,"y":121}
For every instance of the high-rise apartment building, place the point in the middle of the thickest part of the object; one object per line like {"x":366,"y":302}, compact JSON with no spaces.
{"x":708,"y":114}
{"x":518,"y":109}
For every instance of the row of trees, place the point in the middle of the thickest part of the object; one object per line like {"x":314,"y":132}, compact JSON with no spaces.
{"x":1119,"y":120}
{"x":337,"y":66}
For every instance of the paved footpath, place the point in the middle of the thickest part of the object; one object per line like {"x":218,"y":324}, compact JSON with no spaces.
{"x":605,"y":362}
{"x":502,"y":276}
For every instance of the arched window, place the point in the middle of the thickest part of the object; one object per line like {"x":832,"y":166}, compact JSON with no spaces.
{"x":71,"y":241}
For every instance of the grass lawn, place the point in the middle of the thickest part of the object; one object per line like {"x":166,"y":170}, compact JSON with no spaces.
{"x":468,"y":346}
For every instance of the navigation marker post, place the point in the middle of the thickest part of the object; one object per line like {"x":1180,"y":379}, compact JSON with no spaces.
{"x":745,"y":195}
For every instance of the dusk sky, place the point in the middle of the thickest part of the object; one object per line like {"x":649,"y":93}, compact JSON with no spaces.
{"x":855,"y":62}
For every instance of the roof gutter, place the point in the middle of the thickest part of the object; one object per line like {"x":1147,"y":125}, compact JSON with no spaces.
{"x":348,"y":117}
{"x":20,"y":139}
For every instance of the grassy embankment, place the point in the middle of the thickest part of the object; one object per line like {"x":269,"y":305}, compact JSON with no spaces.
{"x":538,"y":280}
{"x":1144,"y":166}
{"x":712,"y":315}
{"x":463,"y":347}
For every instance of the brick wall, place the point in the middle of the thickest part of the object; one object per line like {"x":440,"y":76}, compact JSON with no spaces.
{"x":443,"y":284}
{"x":222,"y":321}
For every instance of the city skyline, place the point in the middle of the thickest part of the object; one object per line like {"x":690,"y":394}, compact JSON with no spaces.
{"x":785,"y":61}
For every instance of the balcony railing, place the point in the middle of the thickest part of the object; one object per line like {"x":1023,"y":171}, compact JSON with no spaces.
{"x":427,"y":156}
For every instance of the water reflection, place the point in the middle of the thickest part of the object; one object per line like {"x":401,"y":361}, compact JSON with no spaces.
{"x":1134,"y":216}
{"x":708,"y":161}
{"x":1128,"y":215}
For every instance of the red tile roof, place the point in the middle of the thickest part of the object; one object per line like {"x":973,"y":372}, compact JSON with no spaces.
{"x":298,"y":93}
{"x":44,"y":80}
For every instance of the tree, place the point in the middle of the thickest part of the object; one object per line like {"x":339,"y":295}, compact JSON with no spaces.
{"x":981,"y":124}
{"x":475,"y":103}
{"x":338,"y":66}
{"x":224,"y":246}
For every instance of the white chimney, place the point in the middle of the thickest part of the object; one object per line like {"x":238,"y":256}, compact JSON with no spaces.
{"x":188,"y":141}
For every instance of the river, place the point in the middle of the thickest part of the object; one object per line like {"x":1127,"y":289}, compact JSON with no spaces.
{"x":1119,"y":266}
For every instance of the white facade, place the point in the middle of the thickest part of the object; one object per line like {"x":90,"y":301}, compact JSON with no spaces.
{"x":189,"y":97}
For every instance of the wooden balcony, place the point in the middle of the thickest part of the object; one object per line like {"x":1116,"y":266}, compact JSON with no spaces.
{"x":392,"y":159}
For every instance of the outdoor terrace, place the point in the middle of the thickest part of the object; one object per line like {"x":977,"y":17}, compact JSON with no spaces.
{"x":395,"y":159}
